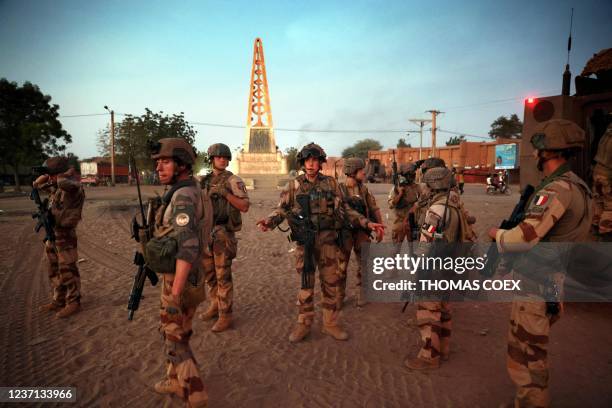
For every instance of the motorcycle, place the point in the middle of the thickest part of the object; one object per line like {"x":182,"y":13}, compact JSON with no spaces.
{"x":500,"y":188}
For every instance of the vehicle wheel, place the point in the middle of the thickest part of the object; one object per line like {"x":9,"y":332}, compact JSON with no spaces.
{"x":490,"y":190}
{"x":508,"y":191}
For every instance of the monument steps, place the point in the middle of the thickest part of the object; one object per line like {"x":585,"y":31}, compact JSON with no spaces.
{"x":266,"y":181}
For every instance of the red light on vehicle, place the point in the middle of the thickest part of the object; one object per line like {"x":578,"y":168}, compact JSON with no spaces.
{"x":530,"y":101}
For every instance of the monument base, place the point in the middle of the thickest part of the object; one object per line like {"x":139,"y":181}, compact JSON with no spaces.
{"x":261,"y":163}
{"x":261,"y":170}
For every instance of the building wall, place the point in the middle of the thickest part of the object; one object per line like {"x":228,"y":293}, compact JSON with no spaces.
{"x":465,"y":155}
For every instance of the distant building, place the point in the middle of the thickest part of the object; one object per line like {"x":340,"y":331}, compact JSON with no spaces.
{"x":97,"y":170}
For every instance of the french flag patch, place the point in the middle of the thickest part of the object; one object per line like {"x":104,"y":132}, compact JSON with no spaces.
{"x":541,"y":200}
{"x":431,"y":229}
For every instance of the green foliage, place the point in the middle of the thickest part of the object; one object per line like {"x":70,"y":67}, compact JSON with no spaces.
{"x":29,"y":127}
{"x":133,"y":133}
{"x":291,"y":154}
{"x":402,"y":143}
{"x":455,"y":140}
{"x":361,"y":148}
{"x":510,"y":127}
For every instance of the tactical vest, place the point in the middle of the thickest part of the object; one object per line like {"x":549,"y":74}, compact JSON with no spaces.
{"x":223,"y":212}
{"x":408,"y":198}
{"x":323,"y":213}
{"x":67,"y":213}
{"x":356,"y":202}
{"x":574,"y":225}
{"x":465,"y":233}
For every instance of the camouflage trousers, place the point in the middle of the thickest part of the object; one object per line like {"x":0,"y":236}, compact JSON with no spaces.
{"x":176,"y":330}
{"x":434,"y":322}
{"x":602,"y":201}
{"x":400,"y":230}
{"x":327,"y":257}
{"x":527,"y":359}
{"x":352,"y":242}
{"x":217,"y":266}
{"x":62,"y":267}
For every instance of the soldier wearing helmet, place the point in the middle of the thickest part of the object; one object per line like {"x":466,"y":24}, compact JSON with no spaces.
{"x":444,"y":220}
{"x":559,"y":210}
{"x":359,"y":198}
{"x":174,"y":251}
{"x":66,"y":197}
{"x":327,"y":214}
{"x":401,"y":199}
{"x":229,"y":198}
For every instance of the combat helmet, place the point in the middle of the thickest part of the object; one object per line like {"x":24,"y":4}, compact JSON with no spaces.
{"x":438,"y":178}
{"x":352,"y":165}
{"x":219,"y":150}
{"x":558,"y":134}
{"x":56,"y":165}
{"x":311,"y":150}
{"x":407,"y":169}
{"x":432,"y":162}
{"x":173,"y":147}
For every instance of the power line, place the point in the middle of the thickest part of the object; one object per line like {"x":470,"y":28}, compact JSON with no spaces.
{"x":462,"y":134}
{"x":84,"y":115}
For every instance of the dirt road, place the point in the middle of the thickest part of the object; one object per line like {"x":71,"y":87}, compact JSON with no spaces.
{"x":114,"y":362}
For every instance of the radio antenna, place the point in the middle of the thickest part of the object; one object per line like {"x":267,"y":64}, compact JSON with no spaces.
{"x":567,"y":75}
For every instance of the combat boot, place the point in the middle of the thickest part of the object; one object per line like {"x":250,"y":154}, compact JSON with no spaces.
{"x":421,"y":364}
{"x":210,"y":313}
{"x":331,"y":327}
{"x":69,"y":310}
{"x":300,"y":331}
{"x":50,"y":307}
{"x":224,"y":323}
{"x":169,"y":386}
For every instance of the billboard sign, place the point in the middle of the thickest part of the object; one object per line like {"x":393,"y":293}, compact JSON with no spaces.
{"x":506,"y":156}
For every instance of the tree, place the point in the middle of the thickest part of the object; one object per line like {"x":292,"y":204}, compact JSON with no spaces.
{"x":29,"y":129}
{"x":510,"y":127}
{"x":402,"y":143}
{"x":361,"y":148}
{"x":292,"y":163}
{"x":455,"y":140}
{"x":133,"y":133}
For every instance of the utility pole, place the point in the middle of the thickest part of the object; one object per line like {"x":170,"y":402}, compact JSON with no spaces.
{"x":421,"y":123}
{"x":434,"y":114}
{"x":112,"y":145}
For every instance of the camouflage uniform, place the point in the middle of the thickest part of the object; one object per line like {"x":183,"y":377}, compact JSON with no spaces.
{"x":559,"y":211}
{"x":434,"y":317}
{"x":180,"y":217}
{"x":217,"y":260}
{"x":402,"y":201}
{"x":66,"y":203}
{"x":359,"y":198}
{"x":327,"y":211}
{"x":602,"y":185}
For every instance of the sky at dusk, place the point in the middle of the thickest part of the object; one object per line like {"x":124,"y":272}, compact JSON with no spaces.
{"x":364,"y":65}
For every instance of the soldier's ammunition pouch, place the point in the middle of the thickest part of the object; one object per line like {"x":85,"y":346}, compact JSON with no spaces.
{"x":160,"y":254}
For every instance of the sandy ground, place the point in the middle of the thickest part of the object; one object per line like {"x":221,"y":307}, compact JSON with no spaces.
{"x":114,"y":362}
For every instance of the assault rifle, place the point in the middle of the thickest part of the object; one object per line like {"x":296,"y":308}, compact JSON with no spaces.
{"x":395,"y":173}
{"x":139,"y":259}
{"x":518,"y":214}
{"x":43,"y":216}
{"x":303,"y":232}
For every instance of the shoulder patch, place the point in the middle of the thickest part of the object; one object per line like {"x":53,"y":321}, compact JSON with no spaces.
{"x":182,"y":219}
{"x":540,"y":202}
